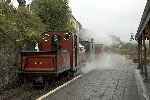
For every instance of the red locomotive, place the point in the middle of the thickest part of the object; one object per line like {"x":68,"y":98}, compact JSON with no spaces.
{"x":58,"y":53}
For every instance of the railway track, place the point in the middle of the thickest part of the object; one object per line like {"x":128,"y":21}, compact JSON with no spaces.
{"x":28,"y":92}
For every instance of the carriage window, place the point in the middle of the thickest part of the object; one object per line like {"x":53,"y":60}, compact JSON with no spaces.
{"x":67,"y":36}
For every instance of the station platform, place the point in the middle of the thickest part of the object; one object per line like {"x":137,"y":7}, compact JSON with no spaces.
{"x":113,"y":77}
{"x":99,"y":85}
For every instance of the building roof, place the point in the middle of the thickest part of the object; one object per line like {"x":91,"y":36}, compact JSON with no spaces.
{"x":144,"y":20}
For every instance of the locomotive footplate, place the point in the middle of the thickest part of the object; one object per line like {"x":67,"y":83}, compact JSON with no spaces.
{"x":36,"y":74}
{"x":36,"y":77}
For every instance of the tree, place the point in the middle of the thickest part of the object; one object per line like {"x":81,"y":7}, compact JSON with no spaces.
{"x":55,"y":14}
{"x":19,"y":25}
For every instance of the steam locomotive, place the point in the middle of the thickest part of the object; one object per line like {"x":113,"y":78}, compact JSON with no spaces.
{"x":57,"y":52}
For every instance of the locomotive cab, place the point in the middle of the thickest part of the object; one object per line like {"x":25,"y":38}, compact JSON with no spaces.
{"x":57,"y":54}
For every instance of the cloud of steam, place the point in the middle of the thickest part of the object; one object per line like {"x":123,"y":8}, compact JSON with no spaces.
{"x":110,"y":39}
{"x":115,"y":39}
{"x":85,"y":34}
{"x":105,"y":61}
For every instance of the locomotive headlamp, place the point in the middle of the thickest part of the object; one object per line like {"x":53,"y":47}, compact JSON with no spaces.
{"x":40,"y":63}
{"x":35,"y":63}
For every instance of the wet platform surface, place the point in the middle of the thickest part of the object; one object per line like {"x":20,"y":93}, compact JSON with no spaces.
{"x":104,"y":83}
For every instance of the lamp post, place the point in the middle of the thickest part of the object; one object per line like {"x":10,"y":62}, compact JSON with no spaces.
{"x":132,"y":36}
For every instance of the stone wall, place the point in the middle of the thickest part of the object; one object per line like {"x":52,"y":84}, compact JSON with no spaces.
{"x":8,"y":65}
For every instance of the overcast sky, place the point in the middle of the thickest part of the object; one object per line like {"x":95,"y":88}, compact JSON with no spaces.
{"x":105,"y":17}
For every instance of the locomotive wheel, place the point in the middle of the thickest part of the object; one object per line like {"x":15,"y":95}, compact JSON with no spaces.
{"x":38,"y":82}
{"x":79,"y":71}
{"x":51,"y":80}
{"x":75,"y":72}
{"x":72,"y":73}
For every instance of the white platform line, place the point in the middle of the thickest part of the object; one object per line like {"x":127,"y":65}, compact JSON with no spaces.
{"x":58,"y":88}
{"x":142,"y":86}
